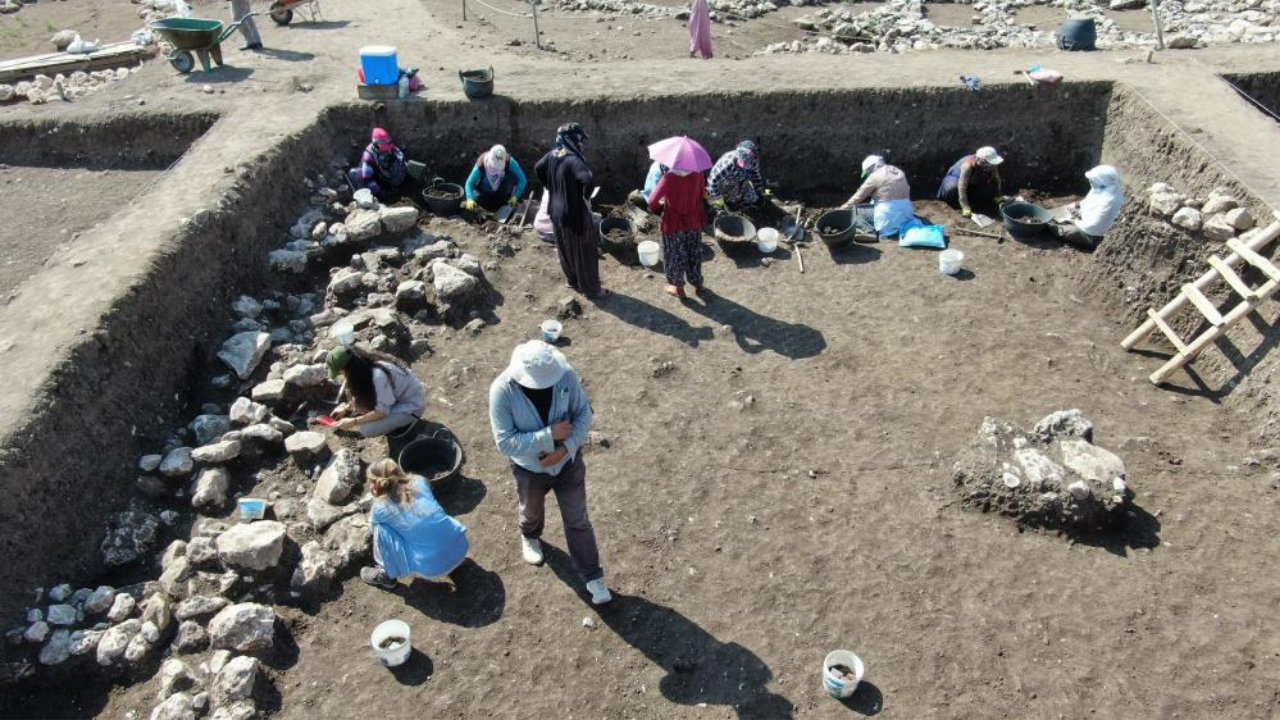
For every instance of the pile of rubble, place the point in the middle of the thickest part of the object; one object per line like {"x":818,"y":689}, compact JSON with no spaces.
{"x":904,"y":25}
{"x":43,"y":89}
{"x":1218,"y":217}
{"x":210,"y":615}
{"x":1052,"y":477}
{"x":721,"y":10}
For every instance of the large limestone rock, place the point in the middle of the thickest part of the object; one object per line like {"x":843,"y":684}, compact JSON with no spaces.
{"x":306,"y":444}
{"x":176,"y":707}
{"x":1218,"y":203}
{"x":246,"y":627}
{"x":1166,"y":202}
{"x":400,"y":219}
{"x":307,"y":376}
{"x":177,"y":463}
{"x":243,"y":351}
{"x":1189,"y":218}
{"x":1240,"y":218}
{"x":363,"y":225}
{"x":219,"y":452}
{"x":1052,"y":477}
{"x":252,"y":546}
{"x":208,"y":428}
{"x":130,"y":535}
{"x":451,"y":284}
{"x":1218,"y":228}
{"x":339,"y":478}
{"x":112,"y":645}
{"x":235,"y":681}
{"x":211,"y":489}
{"x":247,"y":412}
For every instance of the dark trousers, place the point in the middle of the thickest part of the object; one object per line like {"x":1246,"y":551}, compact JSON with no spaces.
{"x":682,"y":257}
{"x":1069,"y":233}
{"x":570,"y":487}
{"x":580,"y":258}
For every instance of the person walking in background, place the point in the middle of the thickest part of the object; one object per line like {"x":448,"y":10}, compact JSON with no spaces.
{"x":252,"y":40}
{"x":413,"y":537}
{"x":540,"y":418}
{"x":567,"y":176}
{"x":700,"y":29}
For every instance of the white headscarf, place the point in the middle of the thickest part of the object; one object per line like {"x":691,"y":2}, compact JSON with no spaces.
{"x":1100,"y":208}
{"x":495,"y":165}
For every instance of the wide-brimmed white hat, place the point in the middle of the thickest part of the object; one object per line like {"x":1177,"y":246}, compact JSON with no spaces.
{"x":990,"y":155}
{"x":536,"y":365}
{"x":870,"y":163}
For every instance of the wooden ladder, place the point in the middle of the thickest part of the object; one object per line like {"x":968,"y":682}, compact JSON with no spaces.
{"x":1244,"y":249}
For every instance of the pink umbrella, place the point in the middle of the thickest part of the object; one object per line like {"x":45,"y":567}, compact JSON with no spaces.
{"x":680,"y":153}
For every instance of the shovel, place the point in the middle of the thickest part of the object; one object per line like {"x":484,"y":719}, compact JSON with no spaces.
{"x":415,"y":169}
{"x":504,"y":213}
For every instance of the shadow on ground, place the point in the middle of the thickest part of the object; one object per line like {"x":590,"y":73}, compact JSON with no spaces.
{"x":700,"y":668}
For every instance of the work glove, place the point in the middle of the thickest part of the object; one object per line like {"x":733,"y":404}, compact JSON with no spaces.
{"x":718,"y":203}
{"x":768,"y":192}
{"x":514,"y":201}
{"x":1000,"y":199}
{"x":966,"y":212}
{"x":470,"y":205}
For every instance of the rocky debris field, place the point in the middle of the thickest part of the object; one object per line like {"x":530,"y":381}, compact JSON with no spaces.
{"x":208,"y":619}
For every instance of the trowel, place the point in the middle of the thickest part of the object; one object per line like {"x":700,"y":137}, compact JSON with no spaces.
{"x":981,"y":220}
{"x":504,"y":213}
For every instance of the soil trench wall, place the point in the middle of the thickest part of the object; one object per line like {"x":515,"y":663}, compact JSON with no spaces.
{"x":120,"y":392}
{"x":1145,"y":260}
{"x":1261,"y":88}
{"x":124,"y":142}
{"x":812,"y":143}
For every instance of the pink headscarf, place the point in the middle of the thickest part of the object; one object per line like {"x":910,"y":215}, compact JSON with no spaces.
{"x":700,"y":29}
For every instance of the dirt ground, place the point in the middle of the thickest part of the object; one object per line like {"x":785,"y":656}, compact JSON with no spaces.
{"x":743,"y":543}
{"x":27,"y":31}
{"x":48,"y":207}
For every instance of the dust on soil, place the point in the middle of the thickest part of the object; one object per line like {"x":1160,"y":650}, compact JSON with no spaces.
{"x":46,"y":207}
{"x":780,"y":453}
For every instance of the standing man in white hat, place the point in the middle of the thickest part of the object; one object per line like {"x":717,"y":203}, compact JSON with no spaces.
{"x":974,"y":177}
{"x":540,"y":418}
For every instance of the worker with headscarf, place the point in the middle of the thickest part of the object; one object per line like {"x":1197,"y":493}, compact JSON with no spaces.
{"x":887,"y":187}
{"x":1093,"y":216}
{"x":496,"y":180}
{"x":973,"y":178}
{"x":735,"y":181}
{"x":640,"y":198}
{"x":382,"y":166}
{"x":567,"y":176}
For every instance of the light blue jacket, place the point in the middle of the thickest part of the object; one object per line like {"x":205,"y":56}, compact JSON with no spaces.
{"x":656,"y":171}
{"x":518,"y":428}
{"x":419,"y":538}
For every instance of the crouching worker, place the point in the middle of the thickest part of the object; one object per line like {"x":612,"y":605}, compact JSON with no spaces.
{"x":540,"y":418}
{"x":413,"y":537}
{"x":974,"y":179}
{"x":495,"y":180}
{"x":383,"y":168}
{"x":382,"y":395}
{"x":1093,"y":216}
{"x":887,"y":186}
{"x":735,"y":183}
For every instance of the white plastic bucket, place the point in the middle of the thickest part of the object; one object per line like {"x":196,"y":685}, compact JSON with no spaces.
{"x":551,"y":330}
{"x":395,"y":654}
{"x":650,"y":252}
{"x":835,"y":686}
{"x":950,"y":260}
{"x":767,"y":240}
{"x":364,"y":198}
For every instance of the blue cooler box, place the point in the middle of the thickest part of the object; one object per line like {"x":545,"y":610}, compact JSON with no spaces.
{"x":379,"y":64}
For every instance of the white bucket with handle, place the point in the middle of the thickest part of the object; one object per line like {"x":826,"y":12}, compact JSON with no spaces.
{"x":649,"y":252}
{"x":950,"y":261}
{"x":391,"y":642}
{"x":836,"y":682}
{"x":767,"y":240}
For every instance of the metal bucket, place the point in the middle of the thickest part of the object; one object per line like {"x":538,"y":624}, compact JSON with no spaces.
{"x":477,"y":84}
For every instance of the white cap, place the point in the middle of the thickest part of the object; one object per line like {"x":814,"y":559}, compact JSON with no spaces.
{"x":990,"y":155}
{"x":536,"y":365}
{"x":871,"y":163}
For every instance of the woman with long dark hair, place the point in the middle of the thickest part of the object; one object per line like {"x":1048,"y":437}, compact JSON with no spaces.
{"x":382,"y":393}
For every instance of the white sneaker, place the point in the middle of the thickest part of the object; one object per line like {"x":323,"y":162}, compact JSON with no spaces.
{"x":599,"y":592}
{"x":531,"y":549}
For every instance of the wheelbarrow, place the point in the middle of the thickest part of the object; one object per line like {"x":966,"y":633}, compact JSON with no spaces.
{"x":193,"y":35}
{"x":281,"y":11}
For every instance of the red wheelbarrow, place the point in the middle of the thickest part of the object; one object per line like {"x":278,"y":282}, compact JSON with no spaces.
{"x":193,"y":35}
{"x":281,"y":11}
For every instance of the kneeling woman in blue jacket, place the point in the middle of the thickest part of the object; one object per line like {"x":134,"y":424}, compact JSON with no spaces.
{"x":412,"y":535}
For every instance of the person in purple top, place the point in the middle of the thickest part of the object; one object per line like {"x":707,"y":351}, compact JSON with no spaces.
{"x":382,"y":166}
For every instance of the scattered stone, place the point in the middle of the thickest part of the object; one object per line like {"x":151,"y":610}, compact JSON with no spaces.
{"x":288,"y":261}
{"x":190,"y":638}
{"x":243,"y":351}
{"x":208,"y":428}
{"x":1217,"y":228}
{"x":321,"y":514}
{"x":57,"y":650}
{"x":245,"y":412}
{"x":174,"y":578}
{"x":246,"y":627}
{"x":175,"y":677}
{"x":200,"y":606}
{"x":474,"y":326}
{"x":1166,"y":202}
{"x":411,"y":296}
{"x":202,"y":552}
{"x":149,"y":463}
{"x":362,"y":225}
{"x":245,"y":306}
{"x":568,"y":308}
{"x":241,"y":710}
{"x":1053,"y":477}
{"x":151,"y":486}
{"x":307,"y":444}
{"x":1240,"y":219}
{"x":177,"y":463}
{"x":122,"y":609}
{"x":314,"y":575}
{"x":112,"y":645}
{"x":37,"y":632}
{"x":271,"y":391}
{"x":63,"y":614}
{"x":176,"y":707}
{"x":252,"y":546}
{"x":396,"y":220}
{"x":1218,"y":203}
{"x":340,"y":477}
{"x":130,"y":535}
{"x":84,"y":642}
{"x":307,"y":376}
{"x":262,"y":432}
{"x":1188,"y":218}
{"x":211,"y":489}
{"x":217,"y":453}
{"x":452,"y":284}
{"x":1181,"y":42}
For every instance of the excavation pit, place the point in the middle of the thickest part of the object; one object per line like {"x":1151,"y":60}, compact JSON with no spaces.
{"x":744,"y":432}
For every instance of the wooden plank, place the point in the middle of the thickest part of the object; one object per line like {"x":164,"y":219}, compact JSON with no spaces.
{"x":378,"y":92}
{"x":1254,"y":259}
{"x":1202,"y":304}
{"x":1168,"y":331}
{"x":67,"y":63}
{"x":1234,"y":316}
{"x":1241,"y":288}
